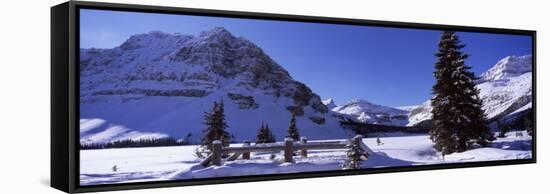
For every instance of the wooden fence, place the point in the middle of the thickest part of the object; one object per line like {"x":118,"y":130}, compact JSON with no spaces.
{"x":289,"y":146}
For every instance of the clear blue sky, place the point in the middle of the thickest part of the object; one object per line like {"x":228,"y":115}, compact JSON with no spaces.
{"x":388,"y":66}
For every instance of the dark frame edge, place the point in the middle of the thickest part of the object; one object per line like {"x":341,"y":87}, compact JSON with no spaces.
{"x":66,"y":178}
{"x":293,"y":17}
{"x":303,"y":175}
{"x":534,"y":94}
{"x":60,"y":146}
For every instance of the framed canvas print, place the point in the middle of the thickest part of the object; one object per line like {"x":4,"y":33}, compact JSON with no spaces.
{"x":146,"y":96}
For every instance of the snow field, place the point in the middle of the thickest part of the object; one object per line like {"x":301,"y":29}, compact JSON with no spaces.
{"x":178,"y":162}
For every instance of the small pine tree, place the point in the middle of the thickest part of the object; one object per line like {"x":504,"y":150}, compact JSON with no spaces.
{"x":458,"y":120}
{"x":209,"y":134}
{"x":292,"y":129}
{"x":502,"y":128}
{"x":499,"y":128}
{"x":353,"y":154}
{"x":262,"y":134}
{"x":215,"y":126}
{"x":265,"y":135}
{"x":224,"y":136}
{"x":270,"y":136}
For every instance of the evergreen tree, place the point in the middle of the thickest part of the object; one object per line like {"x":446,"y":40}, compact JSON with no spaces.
{"x":224,"y":136}
{"x":262,"y":134}
{"x":265,"y":135}
{"x":209,"y":132}
{"x":215,"y":126}
{"x":292,"y":129}
{"x":270,"y":136}
{"x":353,"y":160}
{"x":502,"y":128}
{"x":458,"y":120}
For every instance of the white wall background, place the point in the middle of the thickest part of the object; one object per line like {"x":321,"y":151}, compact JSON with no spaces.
{"x":25,"y":95}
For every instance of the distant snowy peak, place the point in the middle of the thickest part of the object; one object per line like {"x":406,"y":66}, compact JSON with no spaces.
{"x":407,"y":108}
{"x":329,"y":103}
{"x":367,"y":112}
{"x":366,"y":106}
{"x":511,"y":66}
{"x":219,"y":33}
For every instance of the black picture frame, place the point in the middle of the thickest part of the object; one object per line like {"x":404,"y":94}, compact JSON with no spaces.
{"x":65,"y":106}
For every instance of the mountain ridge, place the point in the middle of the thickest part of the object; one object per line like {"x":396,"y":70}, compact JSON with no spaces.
{"x":165,"y":87}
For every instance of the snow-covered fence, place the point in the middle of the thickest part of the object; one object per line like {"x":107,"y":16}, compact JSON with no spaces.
{"x":289,"y":146}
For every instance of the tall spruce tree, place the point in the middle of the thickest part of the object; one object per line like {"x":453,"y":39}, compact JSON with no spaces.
{"x":458,"y":120}
{"x":292,"y":129}
{"x":215,"y":126}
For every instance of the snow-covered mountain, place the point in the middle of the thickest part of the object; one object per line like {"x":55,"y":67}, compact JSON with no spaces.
{"x":330,"y":103}
{"x":506,"y":88}
{"x":160,"y":84}
{"x":511,"y":66}
{"x":420,"y":113}
{"x":366,"y":112}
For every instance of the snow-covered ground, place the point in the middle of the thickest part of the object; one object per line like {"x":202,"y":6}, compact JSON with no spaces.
{"x":169,"y":163}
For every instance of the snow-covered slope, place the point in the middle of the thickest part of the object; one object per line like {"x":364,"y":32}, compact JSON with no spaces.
{"x":367,"y":112}
{"x":98,"y":130}
{"x":511,"y":66}
{"x":161,"y":84}
{"x":420,"y":113}
{"x":504,"y":96}
{"x":505,"y":88}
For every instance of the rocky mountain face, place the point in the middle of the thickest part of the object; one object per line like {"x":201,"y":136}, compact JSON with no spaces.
{"x":190,"y":67}
{"x":163,"y":83}
{"x":505,"y":89}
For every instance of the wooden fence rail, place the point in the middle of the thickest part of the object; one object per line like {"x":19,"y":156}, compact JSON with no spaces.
{"x":289,"y":146}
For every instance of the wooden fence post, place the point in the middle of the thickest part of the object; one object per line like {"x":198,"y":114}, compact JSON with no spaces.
{"x":303,"y":152}
{"x":217,"y":153}
{"x":246,"y":155}
{"x":289,"y":142}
